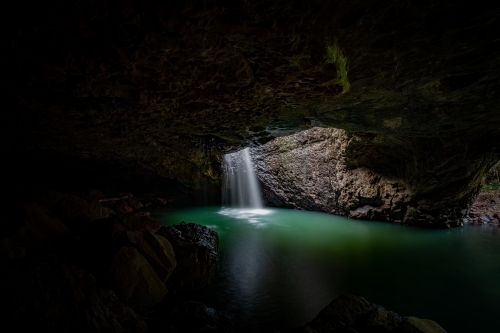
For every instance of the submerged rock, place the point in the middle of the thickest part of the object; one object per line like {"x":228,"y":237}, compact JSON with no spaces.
{"x":196,"y":248}
{"x":349,"y":314}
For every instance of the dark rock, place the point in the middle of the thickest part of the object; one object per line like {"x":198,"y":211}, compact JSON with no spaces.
{"x":95,"y":194}
{"x":134,"y":280}
{"x":76,"y":213}
{"x":190,"y":317}
{"x":349,"y":313}
{"x":56,"y":297}
{"x":133,"y":222}
{"x":135,"y":203}
{"x":122,"y":207}
{"x":135,"y":264}
{"x":196,"y":248}
{"x":96,"y":247}
{"x":155,"y":248}
{"x":28,"y":228}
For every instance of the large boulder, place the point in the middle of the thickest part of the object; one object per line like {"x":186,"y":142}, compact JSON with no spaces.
{"x":99,"y":242}
{"x":140,"y":267}
{"x":51,"y":296}
{"x":156,"y":249}
{"x":349,"y":314}
{"x":196,"y":248}
{"x":134,"y":280}
{"x":28,"y":228}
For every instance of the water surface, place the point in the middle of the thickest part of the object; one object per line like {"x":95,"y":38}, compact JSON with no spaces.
{"x":278,"y":268}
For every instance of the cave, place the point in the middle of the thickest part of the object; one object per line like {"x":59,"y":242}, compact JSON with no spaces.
{"x":378,"y":112}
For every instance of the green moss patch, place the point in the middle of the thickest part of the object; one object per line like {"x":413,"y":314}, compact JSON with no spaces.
{"x":338,"y":58}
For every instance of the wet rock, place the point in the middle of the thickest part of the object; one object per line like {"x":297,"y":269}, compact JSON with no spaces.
{"x":28,"y":228}
{"x":134,"y":280}
{"x":196,"y":248}
{"x":349,"y":313}
{"x":57,"y":297}
{"x":190,"y":317}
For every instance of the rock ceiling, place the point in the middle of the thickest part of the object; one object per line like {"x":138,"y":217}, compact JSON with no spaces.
{"x":171,"y":86}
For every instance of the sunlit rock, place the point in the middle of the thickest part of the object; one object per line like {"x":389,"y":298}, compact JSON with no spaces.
{"x":338,"y":172}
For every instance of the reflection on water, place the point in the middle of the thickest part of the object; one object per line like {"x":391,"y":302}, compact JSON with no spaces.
{"x":249,"y":215}
{"x":278,"y":268}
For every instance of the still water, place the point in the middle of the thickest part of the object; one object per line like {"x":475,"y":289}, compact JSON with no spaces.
{"x":278,"y":268}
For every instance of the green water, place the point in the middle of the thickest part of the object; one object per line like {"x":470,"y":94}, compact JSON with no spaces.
{"x":279,"y":268}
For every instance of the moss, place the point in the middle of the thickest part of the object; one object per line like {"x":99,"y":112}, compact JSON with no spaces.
{"x":492,"y":179}
{"x":338,"y":58}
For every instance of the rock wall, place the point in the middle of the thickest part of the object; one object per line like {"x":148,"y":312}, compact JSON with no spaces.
{"x":334,"y":171}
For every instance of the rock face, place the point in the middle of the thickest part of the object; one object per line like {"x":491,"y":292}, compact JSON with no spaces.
{"x":349,"y":313}
{"x":319,"y":169}
{"x":196,"y":249}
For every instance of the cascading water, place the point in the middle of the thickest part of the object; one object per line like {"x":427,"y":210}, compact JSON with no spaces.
{"x":240,"y":187}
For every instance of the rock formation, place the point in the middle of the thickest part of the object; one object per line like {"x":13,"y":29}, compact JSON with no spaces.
{"x":323,"y":170}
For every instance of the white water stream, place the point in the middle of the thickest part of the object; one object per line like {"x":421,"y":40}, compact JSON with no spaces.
{"x":240,"y":187}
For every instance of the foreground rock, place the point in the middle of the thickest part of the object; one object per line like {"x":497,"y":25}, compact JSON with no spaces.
{"x":189,"y":317}
{"x":331,"y":170}
{"x":135,"y":264}
{"x":353,"y":314}
{"x":196,"y":248}
{"x":28,"y":228}
{"x":55,"y":297}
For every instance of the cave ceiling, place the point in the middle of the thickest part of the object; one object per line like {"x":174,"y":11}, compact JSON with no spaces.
{"x":167,"y":84}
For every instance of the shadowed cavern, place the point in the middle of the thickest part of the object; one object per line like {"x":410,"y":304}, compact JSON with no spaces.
{"x":170,"y":88}
{"x":150,"y":94}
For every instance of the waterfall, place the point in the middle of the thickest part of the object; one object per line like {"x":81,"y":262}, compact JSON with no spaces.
{"x":240,"y":187}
